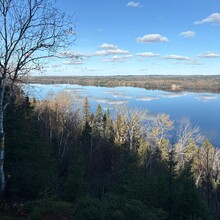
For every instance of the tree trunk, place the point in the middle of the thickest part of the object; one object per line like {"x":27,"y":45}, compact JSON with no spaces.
{"x":2,"y":152}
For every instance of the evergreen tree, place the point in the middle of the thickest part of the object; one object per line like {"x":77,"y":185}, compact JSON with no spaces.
{"x":30,"y":166}
{"x":108,"y":127}
{"x":172,"y":174}
{"x":189,"y":202}
{"x":98,"y":125}
{"x":206,"y":160}
{"x":86,"y":111}
{"x":74,"y":181}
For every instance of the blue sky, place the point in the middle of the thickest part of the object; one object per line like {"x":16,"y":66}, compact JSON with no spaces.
{"x":149,"y":37}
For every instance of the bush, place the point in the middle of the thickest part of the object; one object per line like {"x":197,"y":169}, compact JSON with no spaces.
{"x":116,"y":208}
{"x":49,"y":209}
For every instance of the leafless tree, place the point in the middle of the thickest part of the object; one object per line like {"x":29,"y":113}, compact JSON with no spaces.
{"x":30,"y":32}
{"x":185,"y":133}
{"x":60,"y":114}
{"x":159,"y":128}
{"x":134,"y":119}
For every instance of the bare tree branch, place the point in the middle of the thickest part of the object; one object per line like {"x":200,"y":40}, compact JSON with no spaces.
{"x":31,"y":31}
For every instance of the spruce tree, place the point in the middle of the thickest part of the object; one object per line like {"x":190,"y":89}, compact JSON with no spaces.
{"x":86,"y":111}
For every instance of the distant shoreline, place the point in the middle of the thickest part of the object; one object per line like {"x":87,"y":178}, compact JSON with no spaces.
{"x":200,"y":83}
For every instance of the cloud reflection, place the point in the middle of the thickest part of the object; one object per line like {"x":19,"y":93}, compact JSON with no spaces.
{"x":173,"y":95}
{"x":147,"y":98}
{"x":110,"y":101}
{"x":206,"y":98}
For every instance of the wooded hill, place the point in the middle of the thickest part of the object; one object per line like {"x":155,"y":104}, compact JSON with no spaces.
{"x":64,"y":162}
{"x":167,"y":83}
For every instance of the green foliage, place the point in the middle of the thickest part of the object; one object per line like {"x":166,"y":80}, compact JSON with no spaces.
{"x":49,"y":208}
{"x":99,"y":113}
{"x":88,"y":208}
{"x":116,"y":207}
{"x":30,"y":167}
{"x":2,"y":217}
{"x":189,"y":203}
{"x":86,"y":111}
{"x":74,"y":182}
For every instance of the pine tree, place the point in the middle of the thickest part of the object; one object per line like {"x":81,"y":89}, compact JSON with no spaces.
{"x":98,"y":125}
{"x":30,"y":166}
{"x":108,"y":127}
{"x":99,"y":114}
{"x":172,"y":174}
{"x":206,"y":159}
{"x":86,"y":111}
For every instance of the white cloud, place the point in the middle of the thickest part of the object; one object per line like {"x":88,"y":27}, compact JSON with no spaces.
{"x":116,"y":59}
{"x":187,"y":34}
{"x":148,"y":54}
{"x":108,"y":46}
{"x":194,"y":62}
{"x":73,"y":55}
{"x":73,"y":62}
{"x":73,"y":58}
{"x":134,"y":4}
{"x":209,"y":54}
{"x":66,"y":54}
{"x":176,"y":57}
{"x":144,"y":69}
{"x":179,"y":58}
{"x":189,"y":60}
{"x":110,"y":52}
{"x":91,"y":69}
{"x":152,"y":38}
{"x":109,"y":49}
{"x":213,"y":19}
{"x":57,"y":68}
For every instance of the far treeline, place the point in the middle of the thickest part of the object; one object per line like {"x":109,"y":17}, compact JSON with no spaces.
{"x":168,"y":83}
{"x":65,"y":162}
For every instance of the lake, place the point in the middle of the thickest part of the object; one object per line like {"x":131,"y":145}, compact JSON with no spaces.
{"x":201,"y":109}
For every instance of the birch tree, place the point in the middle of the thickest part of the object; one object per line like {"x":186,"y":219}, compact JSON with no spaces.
{"x":30,"y":32}
{"x":159,"y":128}
{"x":186,"y":133}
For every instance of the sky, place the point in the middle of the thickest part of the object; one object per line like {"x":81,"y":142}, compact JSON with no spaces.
{"x":148,"y":37}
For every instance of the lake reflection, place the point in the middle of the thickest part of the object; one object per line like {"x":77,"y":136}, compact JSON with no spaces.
{"x":201,"y":109}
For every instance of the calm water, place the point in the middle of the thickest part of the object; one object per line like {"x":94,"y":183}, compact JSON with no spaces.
{"x":201,"y":109}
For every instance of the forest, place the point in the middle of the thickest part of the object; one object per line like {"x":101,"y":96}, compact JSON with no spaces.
{"x":178,"y":83}
{"x":63,"y":161}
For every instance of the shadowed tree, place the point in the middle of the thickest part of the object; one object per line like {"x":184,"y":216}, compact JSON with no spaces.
{"x":30,"y":32}
{"x":86,"y":111}
{"x":30,"y":166}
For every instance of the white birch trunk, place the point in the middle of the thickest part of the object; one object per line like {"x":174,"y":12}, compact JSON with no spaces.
{"x":2,"y":152}
{"x":2,"y":134}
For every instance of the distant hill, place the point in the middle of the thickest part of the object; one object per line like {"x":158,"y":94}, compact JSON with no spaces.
{"x":169,"y":82}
